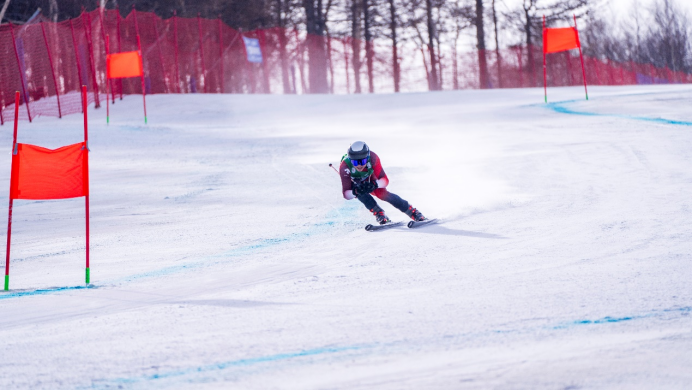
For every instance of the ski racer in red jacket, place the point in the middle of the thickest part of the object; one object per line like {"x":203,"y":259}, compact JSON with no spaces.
{"x":363,"y":174}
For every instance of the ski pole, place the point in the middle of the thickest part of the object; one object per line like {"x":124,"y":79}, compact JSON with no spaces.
{"x":335,"y":169}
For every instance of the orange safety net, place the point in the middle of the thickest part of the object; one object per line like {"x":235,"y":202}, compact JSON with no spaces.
{"x":40,"y":173}
{"x":124,"y":65}
{"x":560,"y":39}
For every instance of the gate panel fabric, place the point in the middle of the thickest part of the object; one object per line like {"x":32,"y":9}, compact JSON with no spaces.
{"x":124,"y":65}
{"x":40,"y":173}
{"x":560,"y":39}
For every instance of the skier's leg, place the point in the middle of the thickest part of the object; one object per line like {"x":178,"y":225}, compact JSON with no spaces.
{"x":393,"y":199}
{"x":401,"y":204}
{"x":367,"y":200}
{"x":373,"y":207}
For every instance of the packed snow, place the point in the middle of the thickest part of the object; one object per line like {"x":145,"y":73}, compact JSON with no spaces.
{"x":223,"y":255}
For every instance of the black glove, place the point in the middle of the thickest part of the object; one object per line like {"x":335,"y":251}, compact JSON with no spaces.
{"x":368,"y":187}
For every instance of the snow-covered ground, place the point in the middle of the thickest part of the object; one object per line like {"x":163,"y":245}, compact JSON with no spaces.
{"x":223,"y":255}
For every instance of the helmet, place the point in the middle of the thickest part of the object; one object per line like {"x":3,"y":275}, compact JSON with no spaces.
{"x":359,"y":150}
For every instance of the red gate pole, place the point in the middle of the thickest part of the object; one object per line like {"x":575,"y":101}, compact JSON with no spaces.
{"x":2,"y":101}
{"x":202,"y":54}
{"x":543,"y":31}
{"x":139,"y":50}
{"x":175,"y":39}
{"x":221,"y":56}
{"x":86,"y":175}
{"x":265,"y":71}
{"x":144,"y":92}
{"x":582,"y":62}
{"x":50,"y":61}
{"x":108,"y":82}
{"x":22,"y":74}
{"x":79,"y":68}
{"x":9,"y":212}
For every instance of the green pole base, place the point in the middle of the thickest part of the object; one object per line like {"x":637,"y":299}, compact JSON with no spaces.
{"x":145,"y":120}
{"x":107,"y":120}
{"x":88,"y":276}
{"x":7,"y":282}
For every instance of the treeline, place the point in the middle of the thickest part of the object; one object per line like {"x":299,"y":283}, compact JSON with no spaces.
{"x":657,"y":32}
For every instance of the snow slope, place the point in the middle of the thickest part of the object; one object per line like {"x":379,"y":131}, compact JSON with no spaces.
{"x":224,"y":256}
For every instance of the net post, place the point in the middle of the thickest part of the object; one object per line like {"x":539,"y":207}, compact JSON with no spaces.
{"x":79,"y":68}
{"x":50,"y":61}
{"x":221,"y":56}
{"x":202,"y":54}
{"x":175,"y":39}
{"x":108,"y":82}
{"x":139,"y":50}
{"x":9,"y":209}
{"x":22,"y":74}
{"x":92,"y":66}
{"x":543,"y":31}
{"x":582,"y":62}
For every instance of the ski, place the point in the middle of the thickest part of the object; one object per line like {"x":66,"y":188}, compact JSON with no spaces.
{"x":375,"y":228}
{"x":416,"y":224}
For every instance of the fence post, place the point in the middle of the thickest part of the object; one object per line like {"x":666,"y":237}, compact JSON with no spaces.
{"x":87,"y":35}
{"x":221,"y":57}
{"x":158,"y":48}
{"x":50,"y":61}
{"x":202,"y":54}
{"x":120,"y":81}
{"x":139,"y":49}
{"x":175,"y":39}
{"x":22,"y":75}
{"x":265,"y":71}
{"x":79,"y":68}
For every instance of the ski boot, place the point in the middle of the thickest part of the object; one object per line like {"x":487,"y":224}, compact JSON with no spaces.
{"x":380,"y":215}
{"x":415,"y":214}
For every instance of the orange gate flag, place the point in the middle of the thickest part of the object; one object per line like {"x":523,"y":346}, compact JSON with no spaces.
{"x":40,"y":173}
{"x":560,"y":39}
{"x":123,"y":65}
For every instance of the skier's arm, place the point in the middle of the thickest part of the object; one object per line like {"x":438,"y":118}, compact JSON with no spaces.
{"x":378,"y":173}
{"x":346,"y":182}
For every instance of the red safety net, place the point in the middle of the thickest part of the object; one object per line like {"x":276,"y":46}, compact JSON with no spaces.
{"x":47,"y":62}
{"x":40,"y":173}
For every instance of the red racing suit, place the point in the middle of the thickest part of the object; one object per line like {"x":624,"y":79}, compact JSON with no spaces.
{"x":378,"y":176}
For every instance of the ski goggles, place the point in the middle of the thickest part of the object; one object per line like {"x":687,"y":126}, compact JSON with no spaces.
{"x":359,"y":162}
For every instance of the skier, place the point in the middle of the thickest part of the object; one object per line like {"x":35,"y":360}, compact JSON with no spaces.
{"x":363,"y":174}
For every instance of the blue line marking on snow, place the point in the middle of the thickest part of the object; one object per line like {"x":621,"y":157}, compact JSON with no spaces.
{"x":15,"y":294}
{"x":558,"y":107}
{"x":228,"y":364}
{"x":247,"y":362}
{"x":321,"y":227}
{"x":608,"y":319}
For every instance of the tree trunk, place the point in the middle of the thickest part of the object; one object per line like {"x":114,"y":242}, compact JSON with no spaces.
{"x":498,"y":57}
{"x":369,"y":43}
{"x":356,"y":43}
{"x":481,"y":45}
{"x":433,"y":78}
{"x":282,"y":47}
{"x":395,"y":60}
{"x":315,"y":39}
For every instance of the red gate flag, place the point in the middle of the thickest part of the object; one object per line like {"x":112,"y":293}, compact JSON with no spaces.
{"x":560,"y":39}
{"x":40,"y":173}
{"x":123,"y":65}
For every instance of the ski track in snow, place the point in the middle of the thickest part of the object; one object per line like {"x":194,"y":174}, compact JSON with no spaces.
{"x":223,"y":255}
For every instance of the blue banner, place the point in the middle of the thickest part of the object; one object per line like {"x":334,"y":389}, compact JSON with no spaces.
{"x":252,"y":49}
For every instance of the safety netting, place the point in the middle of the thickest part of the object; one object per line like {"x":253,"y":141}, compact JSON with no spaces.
{"x":47,"y":62}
